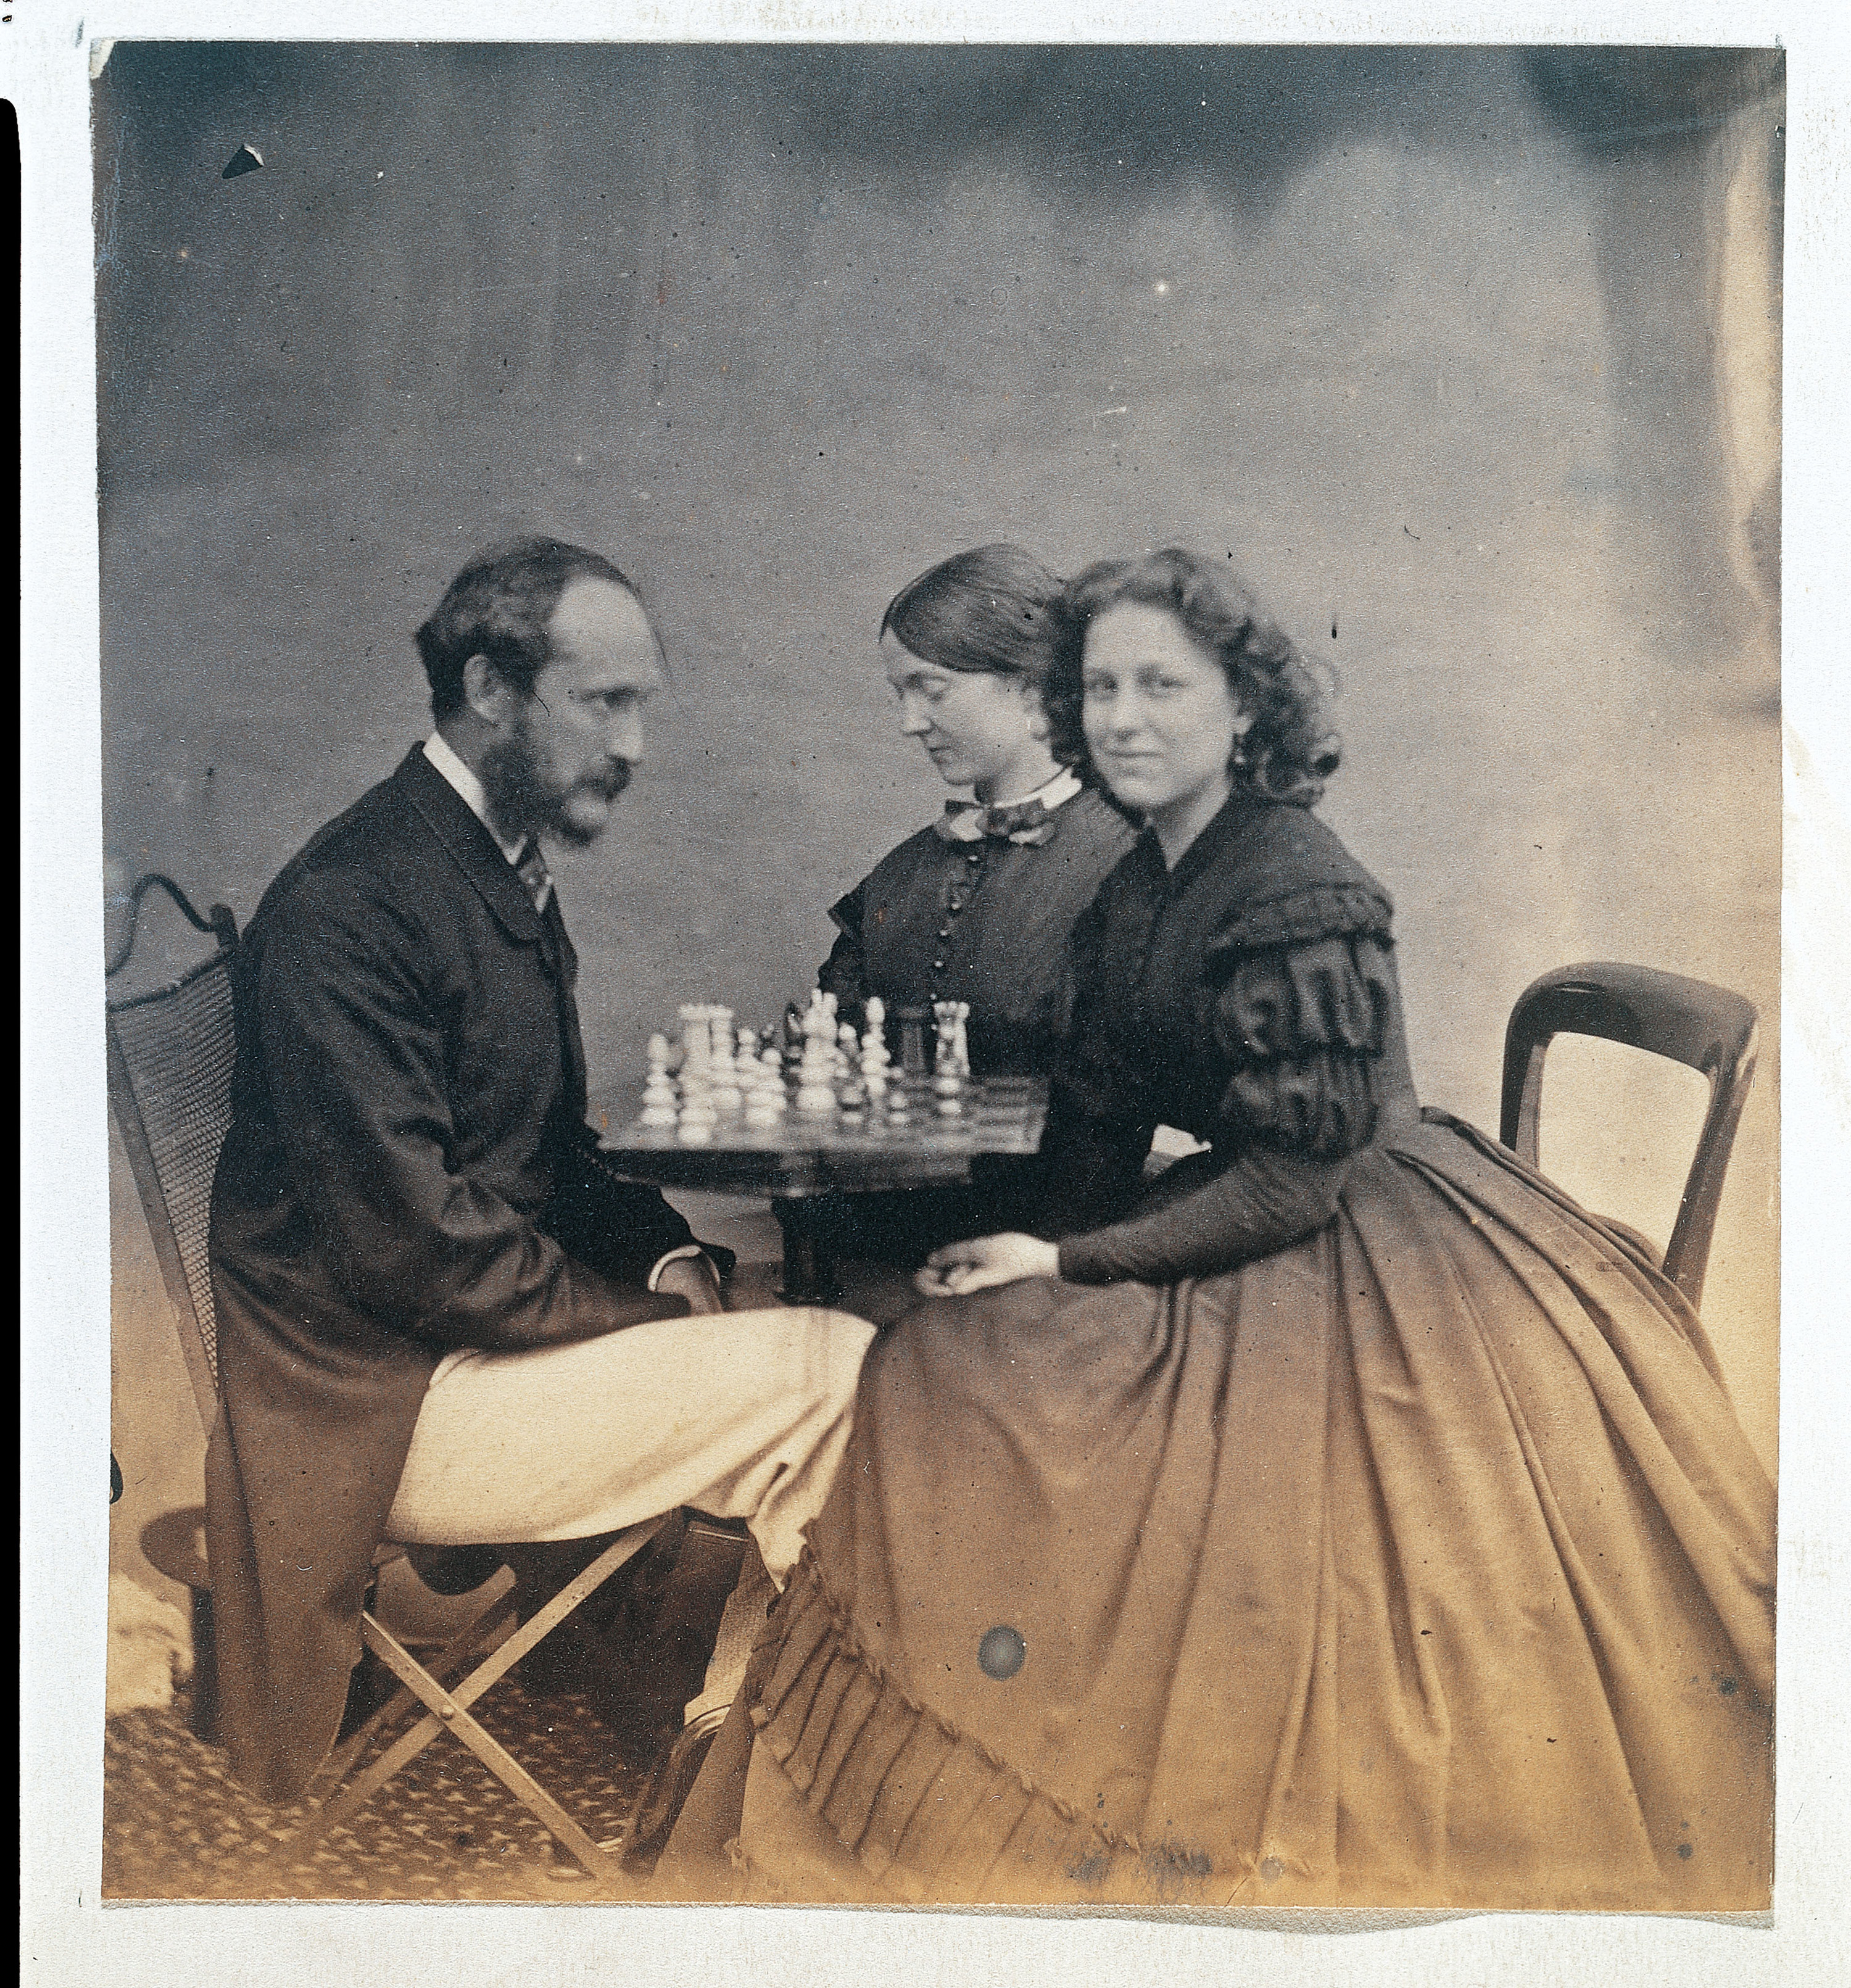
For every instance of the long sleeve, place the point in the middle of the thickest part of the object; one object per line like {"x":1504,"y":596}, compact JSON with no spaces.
{"x":1299,"y":1031}
{"x":1266,"y":1200}
{"x":355,"y":1051}
{"x":619,"y":1227}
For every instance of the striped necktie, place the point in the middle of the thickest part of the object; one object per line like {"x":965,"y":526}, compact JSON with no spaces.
{"x":530,"y":866}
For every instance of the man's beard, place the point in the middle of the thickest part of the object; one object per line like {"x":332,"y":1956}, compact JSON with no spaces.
{"x":519,"y":801}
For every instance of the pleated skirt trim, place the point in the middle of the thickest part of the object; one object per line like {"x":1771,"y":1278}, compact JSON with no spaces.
{"x":928,"y":1811}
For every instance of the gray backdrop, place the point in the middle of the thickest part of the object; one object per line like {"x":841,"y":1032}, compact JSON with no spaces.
{"x":1468,"y":359}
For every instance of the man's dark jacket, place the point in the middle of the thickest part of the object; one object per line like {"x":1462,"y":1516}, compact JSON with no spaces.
{"x":408,"y":1171}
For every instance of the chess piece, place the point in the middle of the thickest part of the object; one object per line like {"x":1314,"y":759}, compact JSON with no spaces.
{"x":726,"y":1092}
{"x":659,"y":1092}
{"x":816,"y":1088}
{"x":696,"y":1041}
{"x":953,"y":1052}
{"x":912,"y":1044}
{"x":763,"y":1109}
{"x":695,"y":1126}
{"x":762,"y":1080}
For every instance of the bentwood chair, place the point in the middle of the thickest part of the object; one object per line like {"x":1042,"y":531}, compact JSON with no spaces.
{"x":1708,"y":1028}
{"x":171,"y":1054}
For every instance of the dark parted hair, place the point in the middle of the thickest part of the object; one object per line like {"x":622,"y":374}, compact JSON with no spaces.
{"x":1289,"y":752}
{"x":499,"y":605}
{"x":984,"y":612}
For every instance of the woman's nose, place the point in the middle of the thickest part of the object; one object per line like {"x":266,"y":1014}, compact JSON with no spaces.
{"x":1124,"y":716}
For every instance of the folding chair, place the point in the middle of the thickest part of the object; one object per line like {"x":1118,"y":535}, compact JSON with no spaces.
{"x":1706,"y":1028}
{"x":171,"y":1054}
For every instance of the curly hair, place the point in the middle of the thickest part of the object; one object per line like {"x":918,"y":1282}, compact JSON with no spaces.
{"x":501,"y":606}
{"x":984,"y":612}
{"x":1289,"y":752}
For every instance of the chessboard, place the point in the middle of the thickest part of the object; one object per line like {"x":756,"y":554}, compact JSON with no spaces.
{"x":818,"y":1113}
{"x":800,"y":1154}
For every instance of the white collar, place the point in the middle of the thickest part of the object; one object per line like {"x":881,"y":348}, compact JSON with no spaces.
{"x":1051,"y":794}
{"x":443,"y":756}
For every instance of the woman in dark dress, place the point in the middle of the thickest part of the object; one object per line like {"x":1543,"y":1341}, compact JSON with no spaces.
{"x":978,"y":908}
{"x":1348,"y":1517}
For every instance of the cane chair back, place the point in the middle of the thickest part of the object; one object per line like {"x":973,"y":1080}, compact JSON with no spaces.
{"x":171,"y":1053}
{"x":170,"y":1057}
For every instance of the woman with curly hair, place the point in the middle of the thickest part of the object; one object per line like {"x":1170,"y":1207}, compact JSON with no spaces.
{"x":1344,"y":1518}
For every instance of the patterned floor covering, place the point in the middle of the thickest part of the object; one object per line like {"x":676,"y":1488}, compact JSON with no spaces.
{"x":176,"y":1826}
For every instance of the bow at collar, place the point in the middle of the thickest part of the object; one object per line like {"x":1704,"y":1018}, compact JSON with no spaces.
{"x":1027,"y":823}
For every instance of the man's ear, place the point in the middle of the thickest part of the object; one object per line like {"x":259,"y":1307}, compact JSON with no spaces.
{"x":486,"y":692}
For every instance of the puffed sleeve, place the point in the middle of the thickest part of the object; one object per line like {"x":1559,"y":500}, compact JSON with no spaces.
{"x":844,"y":973}
{"x":1300,"y":1029}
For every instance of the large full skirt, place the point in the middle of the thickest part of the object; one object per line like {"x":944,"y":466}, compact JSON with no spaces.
{"x":1424,"y":1563}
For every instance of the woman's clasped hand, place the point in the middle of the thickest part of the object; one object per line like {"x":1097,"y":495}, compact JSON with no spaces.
{"x":985,"y":1261}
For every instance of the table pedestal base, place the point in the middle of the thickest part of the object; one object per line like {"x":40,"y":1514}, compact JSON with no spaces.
{"x":809,"y":1267}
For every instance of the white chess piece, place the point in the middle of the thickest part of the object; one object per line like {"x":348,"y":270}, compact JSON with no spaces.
{"x":659,"y":1092}
{"x":697,"y":1041}
{"x":764,"y":1101}
{"x":874,"y":1057}
{"x":711,"y":1059}
{"x":815,"y":1074}
{"x":770,"y":1081}
{"x":695,"y":1125}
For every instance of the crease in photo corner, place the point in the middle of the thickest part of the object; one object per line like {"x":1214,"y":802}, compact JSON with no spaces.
{"x":1302,"y":1921}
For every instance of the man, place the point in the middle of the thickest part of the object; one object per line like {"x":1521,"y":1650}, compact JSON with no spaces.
{"x":439,"y":1321}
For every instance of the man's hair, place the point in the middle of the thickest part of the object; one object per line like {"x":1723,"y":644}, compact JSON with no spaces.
{"x":499,"y":606}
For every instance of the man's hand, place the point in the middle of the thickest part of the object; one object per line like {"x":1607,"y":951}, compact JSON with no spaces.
{"x":692,"y":1278}
{"x":961,"y":1268}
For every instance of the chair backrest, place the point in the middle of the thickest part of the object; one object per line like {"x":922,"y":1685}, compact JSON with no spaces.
{"x":1706,"y":1028}
{"x":171,"y":1053}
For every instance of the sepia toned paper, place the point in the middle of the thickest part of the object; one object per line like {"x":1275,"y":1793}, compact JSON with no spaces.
{"x":1468,"y":357}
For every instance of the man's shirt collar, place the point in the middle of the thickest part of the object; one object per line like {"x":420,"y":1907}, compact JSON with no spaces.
{"x":444,"y":757}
